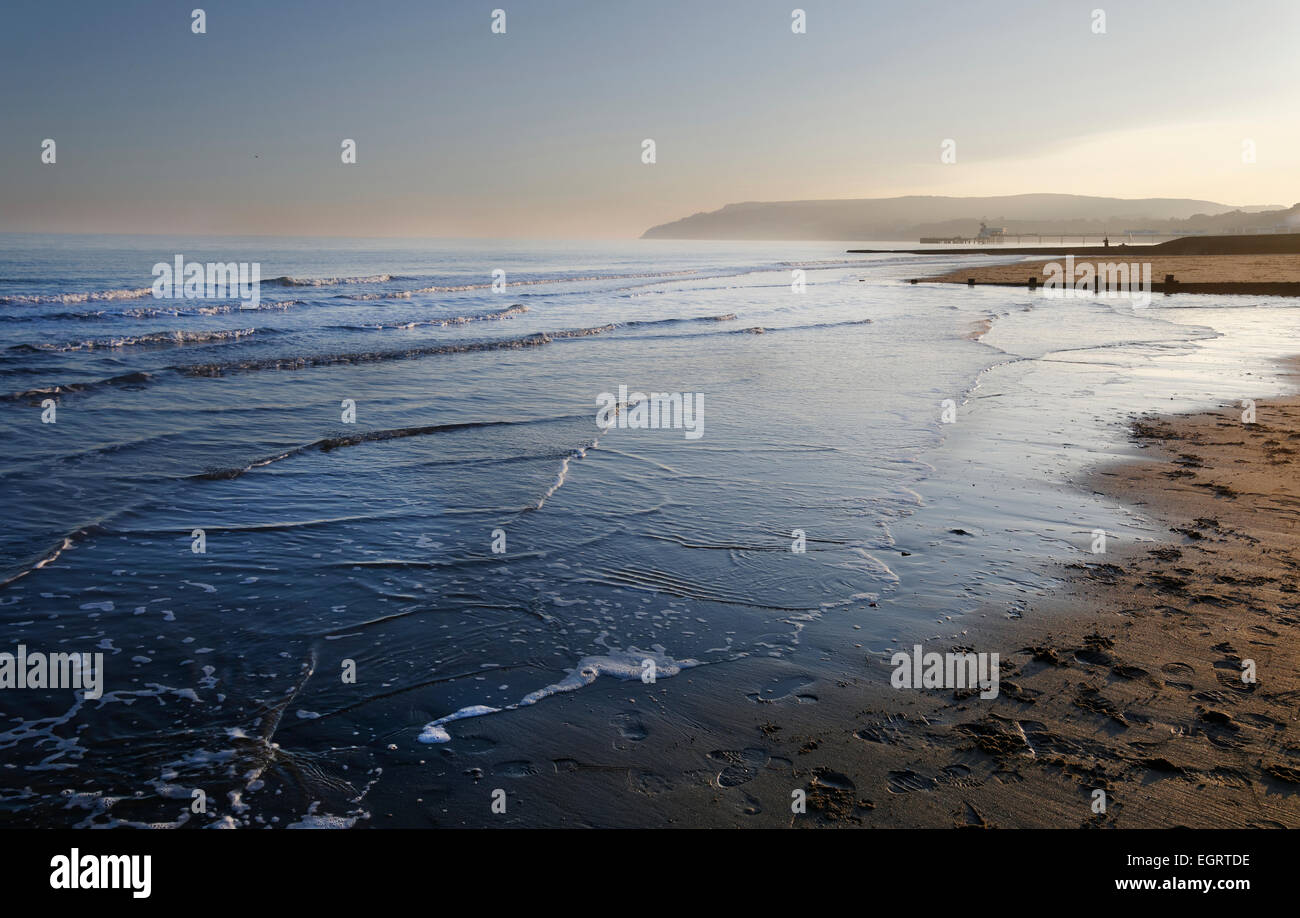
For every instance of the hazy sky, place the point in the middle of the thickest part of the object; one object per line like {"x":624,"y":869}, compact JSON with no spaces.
{"x":538,"y":132}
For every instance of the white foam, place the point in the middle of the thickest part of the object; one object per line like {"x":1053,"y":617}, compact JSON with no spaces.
{"x":434,"y":733}
{"x":620,"y":664}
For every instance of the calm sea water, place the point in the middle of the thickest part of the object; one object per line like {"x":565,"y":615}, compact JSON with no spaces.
{"x":331,"y":542}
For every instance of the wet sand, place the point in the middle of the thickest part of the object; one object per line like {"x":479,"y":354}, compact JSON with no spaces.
{"x":1129,"y":682}
{"x":1132,"y":683}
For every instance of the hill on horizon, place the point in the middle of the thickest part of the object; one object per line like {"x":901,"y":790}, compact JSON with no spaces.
{"x":913,"y":216}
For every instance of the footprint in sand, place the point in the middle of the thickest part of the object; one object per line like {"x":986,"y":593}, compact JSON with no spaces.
{"x":905,"y":782}
{"x":834,"y":796}
{"x":888,"y":731}
{"x":959,"y":775}
{"x":1129,"y":672}
{"x":630,"y":726}
{"x":1283,"y":773}
{"x":1263,"y":721}
{"x":736,"y":775}
{"x":649,"y":783}
{"x":972,"y":818}
{"x":516,"y":769}
{"x":474,"y":745}
{"x":741,"y":767}
{"x":750,"y":806}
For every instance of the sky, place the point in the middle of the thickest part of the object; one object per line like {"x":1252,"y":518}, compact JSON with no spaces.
{"x":538,"y":132}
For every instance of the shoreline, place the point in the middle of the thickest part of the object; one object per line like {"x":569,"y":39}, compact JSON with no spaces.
{"x":1131,"y":682}
{"x":1128,"y":682}
{"x":1254,"y":275}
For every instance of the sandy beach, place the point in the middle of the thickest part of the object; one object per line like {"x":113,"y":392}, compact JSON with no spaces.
{"x":1274,"y":275}
{"x":1132,"y":683}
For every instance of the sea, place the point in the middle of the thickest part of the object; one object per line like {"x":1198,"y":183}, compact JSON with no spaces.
{"x":319,"y":539}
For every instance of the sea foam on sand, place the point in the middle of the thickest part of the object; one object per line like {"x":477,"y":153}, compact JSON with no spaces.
{"x":621,"y":664}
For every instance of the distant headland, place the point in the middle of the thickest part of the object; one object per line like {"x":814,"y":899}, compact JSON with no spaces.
{"x":925,"y":216}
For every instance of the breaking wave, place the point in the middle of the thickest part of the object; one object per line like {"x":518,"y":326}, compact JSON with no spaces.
{"x":94,"y":296}
{"x":509,"y":312}
{"x":325,"y":360}
{"x":154,"y":339}
{"x":153,"y":312}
